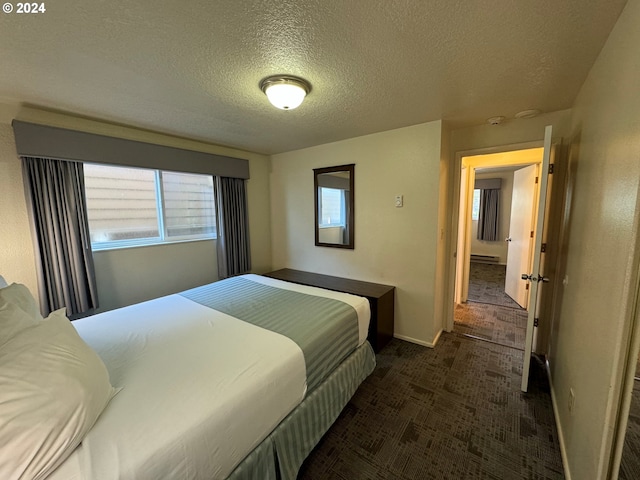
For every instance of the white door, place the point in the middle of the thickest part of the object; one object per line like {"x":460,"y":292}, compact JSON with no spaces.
{"x":534,"y":278}
{"x":520,"y":239}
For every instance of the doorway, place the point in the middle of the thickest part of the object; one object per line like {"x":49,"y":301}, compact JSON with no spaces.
{"x":491,"y":299}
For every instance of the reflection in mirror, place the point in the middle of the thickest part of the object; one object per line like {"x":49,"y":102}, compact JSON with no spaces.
{"x":334,"y":206}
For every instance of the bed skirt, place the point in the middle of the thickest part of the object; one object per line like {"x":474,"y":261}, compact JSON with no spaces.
{"x":282,"y":453}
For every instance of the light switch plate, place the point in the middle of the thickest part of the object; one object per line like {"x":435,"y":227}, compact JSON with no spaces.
{"x":399,"y":200}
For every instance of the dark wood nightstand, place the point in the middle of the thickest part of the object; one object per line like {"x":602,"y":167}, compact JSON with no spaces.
{"x":381,"y":299}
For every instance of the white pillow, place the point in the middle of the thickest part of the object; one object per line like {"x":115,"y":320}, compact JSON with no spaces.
{"x":18,"y":310}
{"x":53,"y":387}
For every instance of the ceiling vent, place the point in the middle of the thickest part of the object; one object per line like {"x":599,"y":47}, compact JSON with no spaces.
{"x":528,"y":114}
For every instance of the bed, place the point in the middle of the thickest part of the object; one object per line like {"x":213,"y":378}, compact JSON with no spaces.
{"x":237,"y":379}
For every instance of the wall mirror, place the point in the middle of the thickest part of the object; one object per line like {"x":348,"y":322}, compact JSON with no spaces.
{"x":333,"y":195}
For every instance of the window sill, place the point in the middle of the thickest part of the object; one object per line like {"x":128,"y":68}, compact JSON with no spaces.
{"x":150,"y":244}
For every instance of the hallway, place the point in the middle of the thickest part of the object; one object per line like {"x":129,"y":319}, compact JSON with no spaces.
{"x":490,"y":314}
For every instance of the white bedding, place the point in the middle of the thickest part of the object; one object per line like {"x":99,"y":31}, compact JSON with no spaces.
{"x":182,"y":380}
{"x":209,"y":372}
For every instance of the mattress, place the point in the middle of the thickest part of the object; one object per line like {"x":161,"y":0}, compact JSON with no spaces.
{"x":296,"y":436}
{"x":201,"y":389}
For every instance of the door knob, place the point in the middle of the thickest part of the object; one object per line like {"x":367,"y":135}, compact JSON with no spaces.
{"x":508,"y":239}
{"x":532,"y":278}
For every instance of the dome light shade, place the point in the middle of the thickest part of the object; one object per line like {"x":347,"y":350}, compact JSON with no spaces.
{"x":284,"y":91}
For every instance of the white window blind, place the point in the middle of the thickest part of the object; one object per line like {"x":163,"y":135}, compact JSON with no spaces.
{"x":332,"y":207}
{"x":475,"y":209}
{"x":188,"y":204}
{"x":133,"y":206}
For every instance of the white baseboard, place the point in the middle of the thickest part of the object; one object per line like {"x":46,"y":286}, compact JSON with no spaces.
{"x":563,"y":450}
{"x":419,"y":342}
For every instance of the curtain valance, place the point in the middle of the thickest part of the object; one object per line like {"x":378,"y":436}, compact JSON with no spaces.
{"x":488,"y":183}
{"x":43,"y":141}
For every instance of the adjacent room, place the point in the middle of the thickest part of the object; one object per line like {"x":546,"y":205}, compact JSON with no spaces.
{"x":320,"y":240}
{"x":497,"y":214}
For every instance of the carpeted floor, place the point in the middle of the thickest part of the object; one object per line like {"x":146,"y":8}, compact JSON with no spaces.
{"x":451,"y":412}
{"x":490,"y":314}
{"x":486,"y":285}
{"x":504,"y":325}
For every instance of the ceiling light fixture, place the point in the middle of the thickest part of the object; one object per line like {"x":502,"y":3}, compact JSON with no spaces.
{"x":285,"y":91}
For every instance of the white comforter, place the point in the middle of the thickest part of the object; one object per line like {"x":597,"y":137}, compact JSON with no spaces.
{"x":181,"y":381}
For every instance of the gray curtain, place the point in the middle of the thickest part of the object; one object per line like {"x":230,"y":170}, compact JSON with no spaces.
{"x":234,"y":257}
{"x":346,"y":236}
{"x":489,"y":212}
{"x":55,"y":196}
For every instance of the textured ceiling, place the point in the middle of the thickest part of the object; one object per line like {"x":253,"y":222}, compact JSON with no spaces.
{"x":192,"y":68}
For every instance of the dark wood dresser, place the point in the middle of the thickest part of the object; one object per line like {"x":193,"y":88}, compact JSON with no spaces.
{"x":381,"y":299}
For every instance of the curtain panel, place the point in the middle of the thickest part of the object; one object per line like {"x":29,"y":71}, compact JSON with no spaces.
{"x":54,"y":191}
{"x":489,"y":213}
{"x":346,"y":234}
{"x":233,"y":249}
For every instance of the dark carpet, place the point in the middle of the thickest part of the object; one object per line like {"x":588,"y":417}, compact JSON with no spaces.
{"x":486,"y":285}
{"x":504,"y":325}
{"x":451,"y":412}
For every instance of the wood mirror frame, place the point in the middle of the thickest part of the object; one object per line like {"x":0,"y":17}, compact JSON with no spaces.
{"x":340,"y":234}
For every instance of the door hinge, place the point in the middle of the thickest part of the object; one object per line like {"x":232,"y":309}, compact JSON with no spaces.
{"x":536,"y":179}
{"x":543,"y":248}
{"x":536,"y":321}
{"x":531,"y":233}
{"x":526,"y":287}
{"x":551,"y":166}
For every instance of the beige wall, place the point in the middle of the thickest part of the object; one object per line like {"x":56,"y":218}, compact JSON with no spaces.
{"x":16,"y":251}
{"x":395,"y":246}
{"x":163,"y":270}
{"x":511,"y":132}
{"x":131,"y":275}
{"x":589,"y":340}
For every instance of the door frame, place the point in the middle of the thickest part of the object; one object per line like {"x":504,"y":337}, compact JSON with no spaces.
{"x":455,"y":212}
{"x":626,"y":370}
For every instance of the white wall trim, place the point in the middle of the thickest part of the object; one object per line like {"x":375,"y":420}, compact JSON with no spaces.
{"x":431,"y":344}
{"x":556,"y":416}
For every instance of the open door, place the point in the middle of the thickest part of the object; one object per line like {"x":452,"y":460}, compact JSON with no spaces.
{"x":519,"y":241}
{"x":534,"y":276}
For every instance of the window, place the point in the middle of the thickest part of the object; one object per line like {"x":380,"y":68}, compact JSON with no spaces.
{"x":475,"y":209}
{"x":136,"y":206}
{"x":332,"y":207}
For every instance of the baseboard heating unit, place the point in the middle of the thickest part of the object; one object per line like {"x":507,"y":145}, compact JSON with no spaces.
{"x":485,"y":258}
